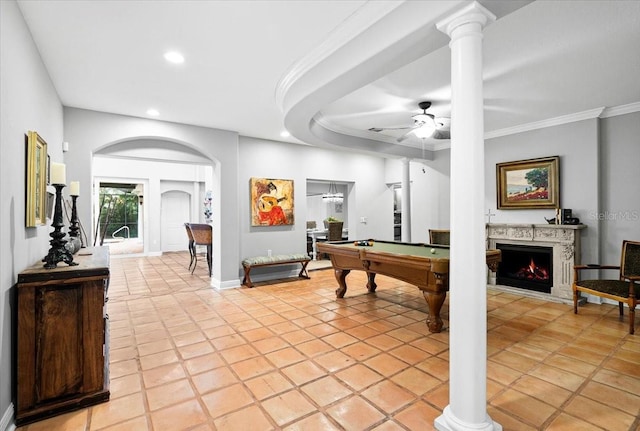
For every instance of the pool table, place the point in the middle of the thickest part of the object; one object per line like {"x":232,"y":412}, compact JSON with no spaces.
{"x":423,"y":265}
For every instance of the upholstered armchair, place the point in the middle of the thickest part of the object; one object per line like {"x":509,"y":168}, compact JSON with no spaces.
{"x":625,"y":289}
{"x":439,"y":236}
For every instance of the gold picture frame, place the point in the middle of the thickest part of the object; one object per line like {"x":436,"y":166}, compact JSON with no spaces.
{"x":528,"y":184}
{"x":271,"y":202}
{"x":36,"y":190}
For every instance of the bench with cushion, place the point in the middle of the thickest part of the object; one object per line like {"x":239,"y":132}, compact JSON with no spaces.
{"x":280,"y":259}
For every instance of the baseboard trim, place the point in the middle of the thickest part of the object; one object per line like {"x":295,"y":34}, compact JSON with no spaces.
{"x":6,"y":423}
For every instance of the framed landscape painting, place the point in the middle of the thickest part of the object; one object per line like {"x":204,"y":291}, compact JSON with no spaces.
{"x":271,"y":202}
{"x":36,"y":190}
{"x":527,"y":184}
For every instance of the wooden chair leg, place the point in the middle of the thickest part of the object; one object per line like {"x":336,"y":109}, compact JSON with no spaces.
{"x":195,"y":259}
{"x":191,"y":253}
{"x":632,"y":314}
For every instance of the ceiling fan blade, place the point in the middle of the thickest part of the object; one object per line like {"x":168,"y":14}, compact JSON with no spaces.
{"x":441,"y":134}
{"x":405,"y":136}
{"x":380,"y":129}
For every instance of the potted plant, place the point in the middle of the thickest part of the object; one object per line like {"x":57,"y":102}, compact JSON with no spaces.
{"x":331,"y":219}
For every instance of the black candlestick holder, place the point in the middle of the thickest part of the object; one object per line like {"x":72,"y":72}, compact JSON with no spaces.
{"x":74,"y":227}
{"x":58,"y":251}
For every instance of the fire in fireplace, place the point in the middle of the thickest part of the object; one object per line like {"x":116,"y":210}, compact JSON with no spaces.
{"x":526,"y":267}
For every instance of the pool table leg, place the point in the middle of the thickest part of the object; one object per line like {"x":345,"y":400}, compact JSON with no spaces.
{"x":371,"y":282}
{"x":341,"y":275}
{"x":435,"y":301}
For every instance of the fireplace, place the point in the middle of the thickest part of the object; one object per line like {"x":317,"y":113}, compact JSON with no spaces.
{"x":525,"y":266}
{"x":564,"y":242}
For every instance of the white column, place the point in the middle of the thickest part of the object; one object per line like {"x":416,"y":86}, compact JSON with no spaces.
{"x":405,"y":205}
{"x":467,"y":409}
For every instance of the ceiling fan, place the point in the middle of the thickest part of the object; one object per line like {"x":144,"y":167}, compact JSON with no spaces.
{"x":424,"y":126}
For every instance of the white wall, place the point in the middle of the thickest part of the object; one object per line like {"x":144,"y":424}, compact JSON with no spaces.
{"x":28,"y":101}
{"x":430,"y":196}
{"x":599,"y":181}
{"x":619,"y":212}
{"x":369,"y":197}
{"x":577,"y":145}
{"x":89,"y":132}
{"x":158,"y":177}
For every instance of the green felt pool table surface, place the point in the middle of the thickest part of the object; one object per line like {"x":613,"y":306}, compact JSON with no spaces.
{"x":421,"y":250}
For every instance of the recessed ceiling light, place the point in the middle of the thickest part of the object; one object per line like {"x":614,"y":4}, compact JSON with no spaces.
{"x":174,"y":57}
{"x":153,"y":112}
{"x":285,"y":134}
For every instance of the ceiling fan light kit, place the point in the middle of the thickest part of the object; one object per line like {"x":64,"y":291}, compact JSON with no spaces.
{"x":426,"y":129}
{"x":424,"y":126}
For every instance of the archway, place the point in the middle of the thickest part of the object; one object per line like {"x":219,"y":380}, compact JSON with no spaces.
{"x":161,"y":167}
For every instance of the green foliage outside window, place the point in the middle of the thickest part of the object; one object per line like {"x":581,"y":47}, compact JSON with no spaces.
{"x":118,"y":209}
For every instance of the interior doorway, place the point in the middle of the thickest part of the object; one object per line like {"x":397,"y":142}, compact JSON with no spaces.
{"x":397,"y":212}
{"x":320,"y":208}
{"x":174,"y":212}
{"x":120,"y":221}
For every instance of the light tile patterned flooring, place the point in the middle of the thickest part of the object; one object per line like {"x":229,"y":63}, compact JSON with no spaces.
{"x":290,"y":356}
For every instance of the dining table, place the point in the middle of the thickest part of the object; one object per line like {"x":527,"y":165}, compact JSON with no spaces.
{"x":320,"y":234}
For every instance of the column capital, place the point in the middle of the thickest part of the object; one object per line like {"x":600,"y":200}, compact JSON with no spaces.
{"x":472,"y":13}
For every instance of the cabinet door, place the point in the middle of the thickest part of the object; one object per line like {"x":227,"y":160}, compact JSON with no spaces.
{"x":93,"y":336}
{"x":59,"y":358}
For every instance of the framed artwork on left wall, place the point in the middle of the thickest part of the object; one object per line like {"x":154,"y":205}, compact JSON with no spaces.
{"x":36,"y":180}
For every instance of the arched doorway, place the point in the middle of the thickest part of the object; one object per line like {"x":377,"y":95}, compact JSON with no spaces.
{"x":175,"y":179}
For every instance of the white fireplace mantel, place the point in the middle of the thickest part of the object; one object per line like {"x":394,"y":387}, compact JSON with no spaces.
{"x":563,"y":239}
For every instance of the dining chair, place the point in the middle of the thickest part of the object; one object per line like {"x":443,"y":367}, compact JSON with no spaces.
{"x":439,"y":236}
{"x":192,"y":247}
{"x":202,"y":235}
{"x":334,"y":232}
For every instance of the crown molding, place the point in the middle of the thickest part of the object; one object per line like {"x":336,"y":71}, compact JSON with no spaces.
{"x":557,"y":121}
{"x":604,"y":112}
{"x":620,"y":110}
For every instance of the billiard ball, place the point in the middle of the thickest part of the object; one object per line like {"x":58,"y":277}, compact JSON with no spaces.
{"x":433,"y":251}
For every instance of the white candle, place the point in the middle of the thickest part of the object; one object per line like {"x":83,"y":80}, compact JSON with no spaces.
{"x":74,"y":188}
{"x":58,"y":173}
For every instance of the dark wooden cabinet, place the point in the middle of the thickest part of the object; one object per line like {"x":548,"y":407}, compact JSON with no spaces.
{"x":62,"y":358}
